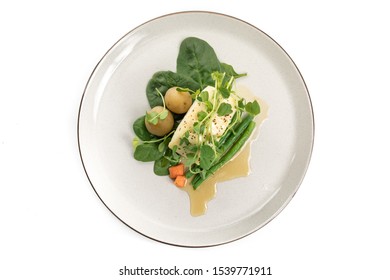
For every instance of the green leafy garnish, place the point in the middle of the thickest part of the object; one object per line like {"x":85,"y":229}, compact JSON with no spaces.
{"x":153,"y":117}
{"x":163,"y":114}
{"x":224,"y":109}
{"x":253,"y":108}
{"x":204,"y":96}
{"x":207,"y":156}
{"x":201,"y":115}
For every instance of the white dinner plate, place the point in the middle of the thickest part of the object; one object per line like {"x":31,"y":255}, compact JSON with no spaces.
{"x":115,"y":96}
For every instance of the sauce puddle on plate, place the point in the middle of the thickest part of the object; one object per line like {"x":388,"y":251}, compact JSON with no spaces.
{"x":239,"y":166}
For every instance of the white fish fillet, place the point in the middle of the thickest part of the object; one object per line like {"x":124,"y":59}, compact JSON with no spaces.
{"x":218,"y":127}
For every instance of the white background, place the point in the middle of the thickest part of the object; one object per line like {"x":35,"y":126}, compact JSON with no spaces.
{"x":53,"y":226}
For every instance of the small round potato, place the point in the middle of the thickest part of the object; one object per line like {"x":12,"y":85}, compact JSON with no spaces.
{"x":178,"y":101}
{"x":162,"y":127}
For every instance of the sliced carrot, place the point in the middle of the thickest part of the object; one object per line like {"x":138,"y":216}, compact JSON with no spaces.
{"x":176,"y":170}
{"x":180,"y":181}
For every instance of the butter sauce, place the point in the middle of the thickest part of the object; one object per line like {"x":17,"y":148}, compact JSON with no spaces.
{"x":239,"y":166}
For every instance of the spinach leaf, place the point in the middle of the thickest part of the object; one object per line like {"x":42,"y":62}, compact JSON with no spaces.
{"x":140,"y":129}
{"x":161,"y":166}
{"x":164,"y":80}
{"x":229,"y":70}
{"x":147,"y":152}
{"x":197,"y":59}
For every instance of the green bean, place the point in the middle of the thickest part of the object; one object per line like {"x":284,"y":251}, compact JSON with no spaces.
{"x":228,"y":155}
{"x":236,"y":133}
{"x":229,"y":132}
{"x":229,"y":140}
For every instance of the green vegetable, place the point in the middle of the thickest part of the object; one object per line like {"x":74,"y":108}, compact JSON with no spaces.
{"x":235,"y":133}
{"x":147,"y":152}
{"x":161,"y":166}
{"x":163,"y":146}
{"x":197,"y":60}
{"x":253,"y":107}
{"x":201,"y":115}
{"x":227,"y":156}
{"x":153,"y":117}
{"x":164,"y":80}
{"x":153,"y":149}
{"x":224,"y":109}
{"x":230,"y":139}
{"x":140,"y":129}
{"x":207,"y":156}
{"x":228,"y":69}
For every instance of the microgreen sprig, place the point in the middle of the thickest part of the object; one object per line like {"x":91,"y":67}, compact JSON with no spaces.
{"x":153,"y":117}
{"x":137,"y":141}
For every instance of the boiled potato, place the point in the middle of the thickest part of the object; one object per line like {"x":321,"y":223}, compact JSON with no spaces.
{"x":177,"y":101}
{"x":162,"y":127}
